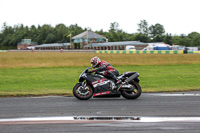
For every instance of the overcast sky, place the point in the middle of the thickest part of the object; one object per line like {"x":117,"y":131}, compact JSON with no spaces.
{"x":177,"y":16}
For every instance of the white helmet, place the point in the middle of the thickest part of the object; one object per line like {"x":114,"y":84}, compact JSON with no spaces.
{"x":95,"y":62}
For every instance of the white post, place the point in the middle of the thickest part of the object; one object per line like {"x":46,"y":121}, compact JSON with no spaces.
{"x":70,"y":41}
{"x":87,"y":37}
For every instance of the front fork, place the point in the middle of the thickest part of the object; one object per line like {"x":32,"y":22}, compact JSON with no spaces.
{"x":83,"y":84}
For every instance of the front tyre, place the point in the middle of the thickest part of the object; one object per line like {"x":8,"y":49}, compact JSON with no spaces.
{"x":132,"y":94}
{"x":82,"y":92}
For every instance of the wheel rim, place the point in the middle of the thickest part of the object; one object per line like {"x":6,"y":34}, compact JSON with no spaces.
{"x":134,"y":92}
{"x":83,"y":91}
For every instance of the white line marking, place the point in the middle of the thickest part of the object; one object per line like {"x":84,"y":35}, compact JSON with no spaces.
{"x":101,"y":118}
{"x":159,"y":94}
{"x":38,"y":119}
{"x":169,"y":119}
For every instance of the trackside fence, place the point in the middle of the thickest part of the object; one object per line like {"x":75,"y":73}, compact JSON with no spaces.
{"x":140,"y":51}
{"x":193,"y":52}
{"x":3,"y":50}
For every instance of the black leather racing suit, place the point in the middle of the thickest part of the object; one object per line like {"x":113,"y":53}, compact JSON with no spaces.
{"x":109,"y":70}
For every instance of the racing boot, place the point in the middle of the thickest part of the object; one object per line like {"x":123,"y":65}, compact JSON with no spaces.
{"x":117,"y":81}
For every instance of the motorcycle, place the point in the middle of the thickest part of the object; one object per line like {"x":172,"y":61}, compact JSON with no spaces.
{"x":97,"y":85}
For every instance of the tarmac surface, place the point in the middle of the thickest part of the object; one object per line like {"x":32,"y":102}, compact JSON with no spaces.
{"x":152,"y":112}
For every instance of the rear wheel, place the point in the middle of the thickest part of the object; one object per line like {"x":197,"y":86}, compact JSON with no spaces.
{"x":133,"y":94}
{"x":82,"y":91}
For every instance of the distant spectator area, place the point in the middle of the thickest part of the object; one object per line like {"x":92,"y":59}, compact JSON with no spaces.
{"x":26,"y":44}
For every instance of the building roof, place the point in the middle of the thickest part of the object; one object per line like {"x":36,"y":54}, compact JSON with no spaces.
{"x":53,"y":45}
{"x":116,"y":43}
{"x":88,"y":34}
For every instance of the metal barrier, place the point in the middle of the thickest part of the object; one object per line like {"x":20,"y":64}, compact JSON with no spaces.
{"x":193,"y":52}
{"x":3,"y":50}
{"x":140,"y":51}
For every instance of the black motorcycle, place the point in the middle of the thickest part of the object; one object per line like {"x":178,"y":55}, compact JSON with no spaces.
{"x":97,"y":85}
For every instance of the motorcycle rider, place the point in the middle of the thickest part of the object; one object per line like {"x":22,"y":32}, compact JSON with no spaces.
{"x":109,"y":70}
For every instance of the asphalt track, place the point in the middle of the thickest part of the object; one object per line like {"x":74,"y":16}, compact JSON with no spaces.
{"x":152,"y":112}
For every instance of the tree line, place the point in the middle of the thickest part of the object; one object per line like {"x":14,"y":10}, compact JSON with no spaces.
{"x":11,"y":36}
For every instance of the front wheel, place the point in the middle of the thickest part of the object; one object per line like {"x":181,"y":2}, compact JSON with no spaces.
{"x":135,"y":93}
{"x":82,"y":91}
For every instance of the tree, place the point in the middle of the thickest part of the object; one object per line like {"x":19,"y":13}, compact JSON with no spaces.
{"x":142,"y":38}
{"x":195,"y":37}
{"x":176,"y":40}
{"x":192,"y":35}
{"x":3,"y":27}
{"x":10,"y":36}
{"x":186,"y":41}
{"x":114,"y":27}
{"x":143,"y":27}
{"x":168,"y":39}
{"x":101,"y":32}
{"x":51,"y":38}
{"x":158,"y":38}
{"x":114,"y":34}
{"x":156,"y":29}
{"x":61,"y":30}
{"x":75,"y":29}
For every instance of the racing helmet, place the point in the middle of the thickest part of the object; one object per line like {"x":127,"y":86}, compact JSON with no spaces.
{"x":95,"y":62}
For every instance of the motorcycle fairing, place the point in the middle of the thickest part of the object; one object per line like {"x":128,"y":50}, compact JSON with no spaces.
{"x":99,"y":83}
{"x":107,"y":94}
{"x":128,"y":74}
{"x":101,"y":93}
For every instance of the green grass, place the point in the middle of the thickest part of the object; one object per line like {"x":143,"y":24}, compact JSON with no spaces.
{"x":51,"y":59}
{"x":60,"y":80}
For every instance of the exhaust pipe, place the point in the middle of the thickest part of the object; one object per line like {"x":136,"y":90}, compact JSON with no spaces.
{"x":132,"y":77}
{"x":129,"y":79}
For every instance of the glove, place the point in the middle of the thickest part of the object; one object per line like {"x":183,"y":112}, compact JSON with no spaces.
{"x":92,"y":71}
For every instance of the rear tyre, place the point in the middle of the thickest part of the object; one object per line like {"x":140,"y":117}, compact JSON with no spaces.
{"x":84,"y":92}
{"x":132,"y":94}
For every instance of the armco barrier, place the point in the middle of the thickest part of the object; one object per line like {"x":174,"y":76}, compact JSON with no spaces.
{"x":196,"y":52}
{"x":139,"y":51}
{"x":193,"y":52}
{"x":3,"y":50}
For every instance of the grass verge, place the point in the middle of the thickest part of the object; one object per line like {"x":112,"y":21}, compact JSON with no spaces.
{"x":29,"y":59}
{"x":60,"y":80}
